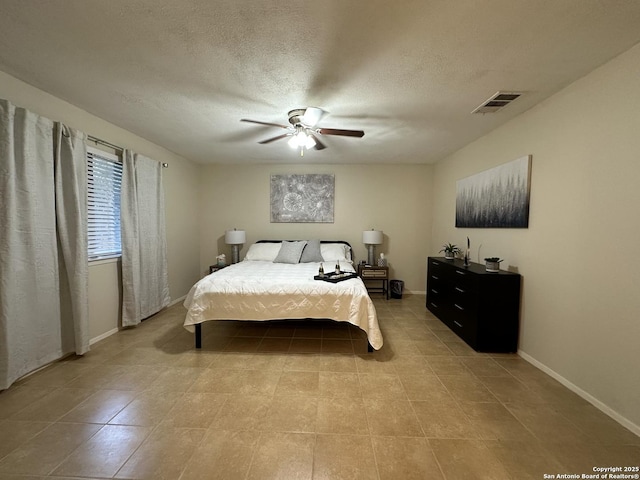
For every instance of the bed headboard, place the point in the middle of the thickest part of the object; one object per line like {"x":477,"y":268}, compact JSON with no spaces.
{"x":321,"y":241}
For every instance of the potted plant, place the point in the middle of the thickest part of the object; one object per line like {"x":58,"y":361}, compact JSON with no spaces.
{"x":492,"y":264}
{"x":450,"y":251}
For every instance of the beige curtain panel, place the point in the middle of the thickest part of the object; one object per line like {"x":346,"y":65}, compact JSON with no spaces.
{"x":43,"y":242}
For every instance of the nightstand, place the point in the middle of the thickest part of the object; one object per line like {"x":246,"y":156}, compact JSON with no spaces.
{"x":372,"y":273}
{"x":215,"y":268}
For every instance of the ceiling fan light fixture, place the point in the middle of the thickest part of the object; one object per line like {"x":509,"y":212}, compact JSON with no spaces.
{"x":298,"y":139}
{"x":301,"y":140}
{"x":309,"y":142}
{"x":293,"y":142}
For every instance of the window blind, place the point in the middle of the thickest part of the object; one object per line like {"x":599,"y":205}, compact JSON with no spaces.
{"x":104,"y":180}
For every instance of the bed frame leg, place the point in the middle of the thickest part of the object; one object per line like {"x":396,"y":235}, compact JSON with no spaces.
{"x":369,"y":347}
{"x":198,"y":335}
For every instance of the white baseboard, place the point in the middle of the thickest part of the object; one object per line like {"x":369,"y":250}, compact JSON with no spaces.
{"x":177,"y":300}
{"x":103,"y":336}
{"x":625,"y":422}
{"x":417,"y":292}
{"x":116,"y":330}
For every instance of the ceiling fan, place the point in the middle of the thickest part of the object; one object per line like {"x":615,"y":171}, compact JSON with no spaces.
{"x":303,"y":131}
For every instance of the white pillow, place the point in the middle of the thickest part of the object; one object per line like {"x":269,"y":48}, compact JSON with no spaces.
{"x":290,"y":252}
{"x":263,"y":252}
{"x":335,"y":252}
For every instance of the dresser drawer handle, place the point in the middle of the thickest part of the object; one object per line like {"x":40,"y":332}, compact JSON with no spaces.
{"x":434,"y":290}
{"x":434,"y":305}
{"x":458,"y":289}
{"x":458,"y":306}
{"x":433,"y":262}
{"x":434,"y":277}
{"x":458,"y":324}
{"x":460,"y":273}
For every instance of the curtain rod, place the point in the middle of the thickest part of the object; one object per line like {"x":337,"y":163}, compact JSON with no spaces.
{"x":111,"y":145}
{"x":102,"y":142}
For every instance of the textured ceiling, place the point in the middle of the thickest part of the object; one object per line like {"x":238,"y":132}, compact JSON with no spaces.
{"x":182,"y":73}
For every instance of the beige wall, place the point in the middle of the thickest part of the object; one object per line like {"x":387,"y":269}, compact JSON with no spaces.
{"x":394,"y":199}
{"x":180,"y":183}
{"x":105,"y":292}
{"x":579,"y":256}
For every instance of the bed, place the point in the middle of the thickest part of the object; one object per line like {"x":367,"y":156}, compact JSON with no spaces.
{"x":274,"y":284}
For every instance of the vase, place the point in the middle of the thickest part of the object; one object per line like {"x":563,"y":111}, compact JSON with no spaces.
{"x":492,"y":266}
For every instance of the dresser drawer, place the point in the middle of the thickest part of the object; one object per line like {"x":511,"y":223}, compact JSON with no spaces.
{"x":373,"y":273}
{"x":436,"y":291}
{"x":436,"y":305}
{"x":464,"y":280}
{"x":437,"y":267}
{"x":464,"y":309}
{"x":464,"y":299}
{"x":460,"y":326}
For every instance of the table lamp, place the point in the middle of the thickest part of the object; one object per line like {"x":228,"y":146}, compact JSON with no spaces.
{"x":371,"y":238}
{"x":235,"y":238}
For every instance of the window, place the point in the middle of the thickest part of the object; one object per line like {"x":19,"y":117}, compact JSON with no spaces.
{"x":104,"y":178}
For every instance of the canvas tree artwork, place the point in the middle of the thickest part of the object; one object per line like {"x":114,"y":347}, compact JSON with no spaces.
{"x":306,"y":198}
{"x":495,"y":198}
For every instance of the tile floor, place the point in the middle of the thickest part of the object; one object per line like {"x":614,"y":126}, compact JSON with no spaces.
{"x":300,"y":401}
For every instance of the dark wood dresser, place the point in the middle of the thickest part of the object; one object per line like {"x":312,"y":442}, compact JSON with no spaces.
{"x":482,"y":308}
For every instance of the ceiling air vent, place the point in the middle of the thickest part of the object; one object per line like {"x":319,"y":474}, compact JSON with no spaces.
{"x":497,"y":102}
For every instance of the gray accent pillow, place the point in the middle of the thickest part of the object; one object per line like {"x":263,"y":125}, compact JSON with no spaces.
{"x":311,"y":252}
{"x":290,"y":252}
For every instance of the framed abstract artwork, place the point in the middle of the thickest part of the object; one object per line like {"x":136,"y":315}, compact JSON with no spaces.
{"x":495,"y":198}
{"x":306,"y":198}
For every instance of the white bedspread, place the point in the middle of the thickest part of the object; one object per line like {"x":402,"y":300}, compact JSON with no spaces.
{"x":261,"y":290}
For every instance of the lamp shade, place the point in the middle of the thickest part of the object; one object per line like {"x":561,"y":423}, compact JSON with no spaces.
{"x":235,"y":237}
{"x":372,"y":237}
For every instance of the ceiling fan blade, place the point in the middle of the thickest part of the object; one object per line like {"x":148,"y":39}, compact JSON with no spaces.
{"x":268,"y":124}
{"x":319,"y":145}
{"x":312,"y":116}
{"x":273,"y":139}
{"x":345,"y":133}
